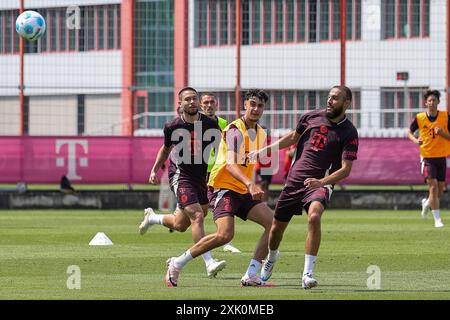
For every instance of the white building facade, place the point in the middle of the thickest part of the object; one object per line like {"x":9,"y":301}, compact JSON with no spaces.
{"x":291,"y":49}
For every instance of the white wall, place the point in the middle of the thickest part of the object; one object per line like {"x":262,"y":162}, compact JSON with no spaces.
{"x":53,"y":115}
{"x":9,"y":116}
{"x":63,"y":73}
{"x":284,"y":67}
{"x":101,"y":112}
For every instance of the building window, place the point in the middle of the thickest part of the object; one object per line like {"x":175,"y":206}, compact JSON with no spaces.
{"x":112,"y":34}
{"x":405,"y":18}
{"x":141,"y":107}
{"x":215,"y":22}
{"x":255,"y":26}
{"x":223,"y":22}
{"x":53,"y":26}
{"x":354,"y":112}
{"x":100,"y":28}
{"x":311,"y":15}
{"x":62,"y":31}
{"x":153,"y":56}
{"x":277,"y":105}
{"x":267,"y":21}
{"x":212,"y":25}
{"x":246,"y":22}
{"x":301,"y":20}
{"x":275,"y":21}
{"x":2,"y":27}
{"x":398,"y":112}
{"x":8,"y":29}
{"x":26,"y":115}
{"x":290,"y":20}
{"x":325,"y":20}
{"x":279,"y":21}
{"x":80,"y":114}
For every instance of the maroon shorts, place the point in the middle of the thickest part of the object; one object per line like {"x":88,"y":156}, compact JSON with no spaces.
{"x":293,"y":200}
{"x":434,"y":168}
{"x":190,"y":193}
{"x":225,"y":202}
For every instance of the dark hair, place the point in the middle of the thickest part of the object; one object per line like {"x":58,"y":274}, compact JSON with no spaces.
{"x":256,"y":93}
{"x":348,"y":92}
{"x":208,"y":94}
{"x":186,"y":89}
{"x":435,"y":93}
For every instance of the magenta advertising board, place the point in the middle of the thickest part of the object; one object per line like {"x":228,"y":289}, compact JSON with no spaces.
{"x":81,"y":159}
{"x":98,"y":160}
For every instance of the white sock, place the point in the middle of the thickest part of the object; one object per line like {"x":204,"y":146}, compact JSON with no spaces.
{"x":182,"y":260}
{"x":156,"y":218}
{"x":427,"y":202}
{"x":436,"y":214}
{"x":253,"y":268}
{"x":310,"y":261}
{"x":273,"y":255}
{"x":207,"y":257}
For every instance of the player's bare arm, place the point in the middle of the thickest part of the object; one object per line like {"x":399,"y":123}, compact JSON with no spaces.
{"x":234,"y":169}
{"x":333,"y":178}
{"x":440,"y":132}
{"x":287,"y":140}
{"x":415,"y":140}
{"x":163,"y":155}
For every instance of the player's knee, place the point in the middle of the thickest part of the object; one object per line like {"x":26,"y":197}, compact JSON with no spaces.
{"x":434,"y":189}
{"x":223,"y":238}
{"x":276,"y":229}
{"x":198,"y":218}
{"x":314,"y":219}
{"x":268,"y":225}
{"x":181,"y":227}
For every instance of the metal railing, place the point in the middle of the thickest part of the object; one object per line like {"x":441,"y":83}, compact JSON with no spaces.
{"x":382,"y":123}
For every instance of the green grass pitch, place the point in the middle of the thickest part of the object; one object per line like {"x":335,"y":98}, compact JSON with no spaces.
{"x":38,"y":246}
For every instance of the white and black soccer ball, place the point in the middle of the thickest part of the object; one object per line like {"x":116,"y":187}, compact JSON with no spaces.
{"x":30,"y":25}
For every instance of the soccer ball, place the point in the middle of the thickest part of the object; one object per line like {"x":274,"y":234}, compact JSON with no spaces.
{"x":30,"y":25}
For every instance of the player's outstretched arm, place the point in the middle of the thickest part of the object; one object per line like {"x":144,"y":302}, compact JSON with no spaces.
{"x":161,"y":158}
{"x":284,"y":142}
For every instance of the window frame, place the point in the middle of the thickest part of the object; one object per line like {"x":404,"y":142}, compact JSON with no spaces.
{"x":397,"y":33}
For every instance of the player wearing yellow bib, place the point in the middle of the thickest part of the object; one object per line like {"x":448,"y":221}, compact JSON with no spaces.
{"x":434,"y":142}
{"x":208,"y":103}
{"x":233,"y":192}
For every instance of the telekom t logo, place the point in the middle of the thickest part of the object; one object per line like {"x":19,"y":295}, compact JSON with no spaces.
{"x":72,"y":156}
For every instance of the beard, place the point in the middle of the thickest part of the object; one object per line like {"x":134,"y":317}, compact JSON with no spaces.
{"x":191,"y":113}
{"x":336,"y":112}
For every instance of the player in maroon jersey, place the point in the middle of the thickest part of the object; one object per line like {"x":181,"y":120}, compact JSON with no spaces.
{"x":186,"y":143}
{"x":327,"y":144}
